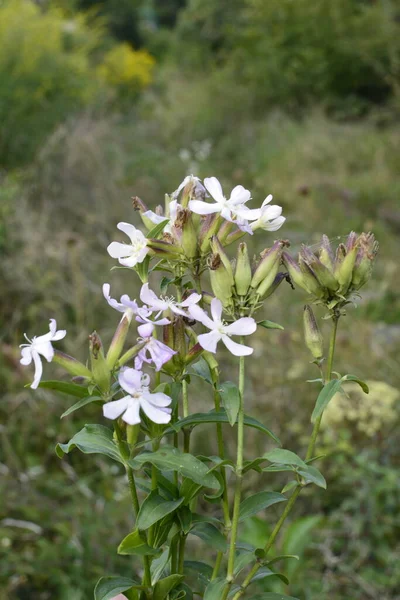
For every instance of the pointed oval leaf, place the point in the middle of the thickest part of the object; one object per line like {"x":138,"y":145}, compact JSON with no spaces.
{"x":158,"y":565}
{"x":164,"y":586}
{"x":312,"y":475}
{"x":270,"y":325}
{"x":92,"y":439}
{"x":215,"y":589}
{"x":218,"y":417}
{"x":72,"y":389}
{"x":172,"y":459}
{"x":80,"y":404}
{"x":154,"y":508}
{"x":157,"y":229}
{"x":260,"y":501}
{"x":284,"y":457}
{"x":109,"y":587}
{"x":356,"y":379}
{"x":133,"y":543}
{"x":210,"y":534}
{"x":230,"y":395}
{"x":324,"y":397}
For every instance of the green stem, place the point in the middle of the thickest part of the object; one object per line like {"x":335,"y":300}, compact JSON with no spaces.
{"x":238,"y":485}
{"x":217,"y":565}
{"x":221,"y":454}
{"x":154,"y":486}
{"x":185,"y":406}
{"x":181,"y":558}
{"x":310,"y":453}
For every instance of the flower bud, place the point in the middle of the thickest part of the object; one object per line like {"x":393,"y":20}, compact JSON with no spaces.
{"x":344,"y":273}
{"x":118,"y":341}
{"x":139,"y":205}
{"x":242,"y":270}
{"x":165,"y":248}
{"x":71,"y":365}
{"x":294,"y":271}
{"x":312,"y":283}
{"x":322,"y":273}
{"x":367,"y":252}
{"x":270,"y":259}
{"x":221,"y":279}
{"x":209,"y":227}
{"x":312,"y":334}
{"x":326,"y":254}
{"x":100,"y":370}
{"x":266,"y":283}
{"x":186,"y":232}
{"x":216,"y":248}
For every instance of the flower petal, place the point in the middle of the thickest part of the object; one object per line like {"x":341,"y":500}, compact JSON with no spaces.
{"x":239,"y":195}
{"x":267,"y":200}
{"x":203,"y":208}
{"x":192,"y":299}
{"x":235,"y":348}
{"x":115,"y":408}
{"x":130,"y":380}
{"x":118,"y":250}
{"x":216,"y":309}
{"x":38,"y":370}
{"x":213,"y":186}
{"x":46,"y":350}
{"x":131,"y":415}
{"x":200,"y":315}
{"x":150,"y":298}
{"x":271,"y":212}
{"x":131,"y":231}
{"x":243,"y":326}
{"x":275,"y":224}
{"x":154,"y":414}
{"x":26,"y":356}
{"x":158,"y":398}
{"x":146,"y":330}
{"x":209,"y":341}
{"x":153,"y":217}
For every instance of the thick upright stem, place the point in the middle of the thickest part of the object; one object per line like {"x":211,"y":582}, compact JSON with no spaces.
{"x":238,"y":485}
{"x":310,"y":453}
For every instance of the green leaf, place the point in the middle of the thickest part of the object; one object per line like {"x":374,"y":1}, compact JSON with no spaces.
{"x":218,"y":417}
{"x":265,"y":572}
{"x":109,"y":587}
{"x":270,"y":325}
{"x":198,"y":567}
{"x":158,"y":565}
{"x":165,"y":281}
{"x":214,"y":589}
{"x":92,"y":439}
{"x":282,"y":557}
{"x":72,"y":389}
{"x":312,"y":475}
{"x":157,"y":229}
{"x":210,"y":534}
{"x":172,"y":459}
{"x":164,"y":586}
{"x":324,"y":397}
{"x":230,"y":395}
{"x":253,"y":504}
{"x":185,"y":518}
{"x":289,"y":486}
{"x":155,"y":508}
{"x":284,"y":457}
{"x":361,"y":383}
{"x":202,"y":370}
{"x":134,"y":544}
{"x":80,"y":404}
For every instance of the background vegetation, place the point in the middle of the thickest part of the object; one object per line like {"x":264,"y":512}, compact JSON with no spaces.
{"x":102,"y":100}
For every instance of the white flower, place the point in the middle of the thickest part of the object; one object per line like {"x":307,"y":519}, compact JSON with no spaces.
{"x":139,"y":397}
{"x":221,"y":331}
{"x":130,"y":307}
{"x":40,"y":346}
{"x":232,"y":209}
{"x":129,"y":254}
{"x":155,"y":303}
{"x":270,"y":218}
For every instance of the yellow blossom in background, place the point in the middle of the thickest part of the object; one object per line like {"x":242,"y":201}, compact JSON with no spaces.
{"x":366,"y":414}
{"x":127,"y":69}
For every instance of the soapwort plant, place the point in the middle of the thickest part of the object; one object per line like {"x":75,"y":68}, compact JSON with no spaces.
{"x":205,"y":302}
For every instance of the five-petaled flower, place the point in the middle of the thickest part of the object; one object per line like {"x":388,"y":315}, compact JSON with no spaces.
{"x":270,"y":218}
{"x":131,"y":254}
{"x":136,"y":383}
{"x":130,"y":307}
{"x":155,"y":303}
{"x":222,"y":331}
{"x":233,"y":209}
{"x":40,"y":346}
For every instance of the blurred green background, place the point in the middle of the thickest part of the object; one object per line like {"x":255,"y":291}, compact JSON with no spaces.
{"x":101,"y":100}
